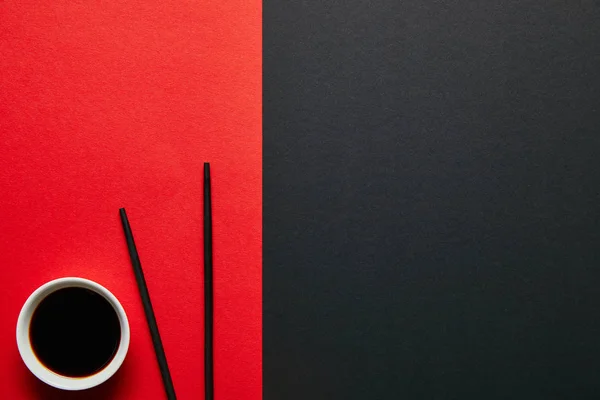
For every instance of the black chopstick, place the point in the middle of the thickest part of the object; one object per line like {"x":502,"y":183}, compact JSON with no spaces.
{"x":141,"y":282}
{"x":208,"y":289}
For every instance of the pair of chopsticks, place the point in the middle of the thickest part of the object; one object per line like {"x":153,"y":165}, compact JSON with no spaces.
{"x":208,"y":298}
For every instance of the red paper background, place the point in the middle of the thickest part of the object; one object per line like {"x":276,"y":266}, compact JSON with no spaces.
{"x":117,"y":104}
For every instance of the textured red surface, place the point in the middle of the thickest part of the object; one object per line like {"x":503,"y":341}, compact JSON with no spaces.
{"x":117,"y":104}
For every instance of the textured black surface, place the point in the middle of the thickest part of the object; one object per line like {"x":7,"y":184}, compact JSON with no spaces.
{"x":431,"y":199}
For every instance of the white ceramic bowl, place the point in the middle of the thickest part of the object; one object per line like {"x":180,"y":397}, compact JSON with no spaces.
{"x":48,"y":376}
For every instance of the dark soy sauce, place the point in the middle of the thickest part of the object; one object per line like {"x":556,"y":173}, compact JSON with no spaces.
{"x":75,"y":332}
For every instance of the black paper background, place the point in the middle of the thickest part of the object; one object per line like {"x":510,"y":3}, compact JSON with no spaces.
{"x":431,"y":199}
